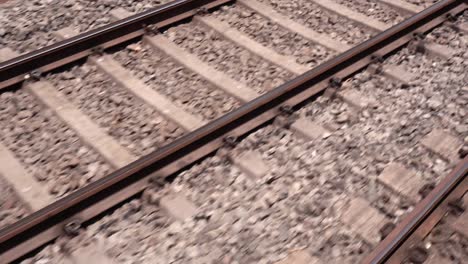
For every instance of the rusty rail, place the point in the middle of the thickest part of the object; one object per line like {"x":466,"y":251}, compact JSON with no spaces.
{"x":87,"y":203}
{"x":427,"y":213}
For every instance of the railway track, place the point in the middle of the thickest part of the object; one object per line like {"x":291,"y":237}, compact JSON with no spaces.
{"x":205,"y":85}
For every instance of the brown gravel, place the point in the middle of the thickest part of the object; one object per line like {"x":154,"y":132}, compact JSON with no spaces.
{"x":11,"y":207}
{"x":374,"y":9}
{"x":446,"y":35}
{"x":47,"y":148}
{"x":119,"y":235}
{"x":223,"y":55}
{"x":273,"y":36}
{"x":28,"y":25}
{"x":424,"y":3}
{"x":183,"y":87}
{"x":440,"y":93}
{"x":321,"y":20}
{"x":136,"y":126}
{"x":463,"y":18}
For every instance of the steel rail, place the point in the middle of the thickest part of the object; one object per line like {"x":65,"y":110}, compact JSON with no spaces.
{"x":63,"y":52}
{"x":427,"y":213}
{"x":88,"y":202}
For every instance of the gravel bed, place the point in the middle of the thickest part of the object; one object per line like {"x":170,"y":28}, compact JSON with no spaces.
{"x":224,"y":56}
{"x":378,"y":137}
{"x":245,"y":221}
{"x":12,"y":208}
{"x":216,"y":170}
{"x":238,"y":220}
{"x":319,"y":184}
{"x":50,"y":151}
{"x":463,"y":18}
{"x":425,"y":3}
{"x":445,"y":35}
{"x":134,"y":124}
{"x":120,"y":235}
{"x":395,"y":125}
{"x":294,"y":206}
{"x":321,"y":20}
{"x":375,"y":9}
{"x":27,"y":25}
{"x":437,"y":97}
{"x":182,"y":86}
{"x":273,"y":36}
{"x":440,"y":93}
{"x":341,"y":160}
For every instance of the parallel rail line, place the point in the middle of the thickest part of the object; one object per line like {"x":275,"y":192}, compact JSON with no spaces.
{"x":82,"y":206}
{"x":396,"y":247}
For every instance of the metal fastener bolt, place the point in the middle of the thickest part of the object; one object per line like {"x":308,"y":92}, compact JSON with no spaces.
{"x":72,"y":228}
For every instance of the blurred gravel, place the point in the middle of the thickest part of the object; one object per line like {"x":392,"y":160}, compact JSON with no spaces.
{"x":133,"y":123}
{"x":11,"y":207}
{"x":446,"y":35}
{"x":182,"y":86}
{"x":273,"y":36}
{"x":321,"y":20}
{"x":121,"y":235}
{"x":27,"y":25}
{"x":375,"y":9}
{"x":223,"y":55}
{"x":50,"y":151}
{"x":425,"y":3}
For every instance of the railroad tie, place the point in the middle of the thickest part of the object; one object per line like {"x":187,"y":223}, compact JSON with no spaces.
{"x":363,"y":219}
{"x":94,"y":253}
{"x":120,"y":13}
{"x":401,"y":180}
{"x":251,"y":163}
{"x":359,"y":18}
{"x":463,"y":27}
{"x":443,"y":144}
{"x":215,"y":77}
{"x":318,"y":38}
{"x":87,"y":130}
{"x":34,"y":194}
{"x":398,"y":73}
{"x":65,"y":33}
{"x":7,"y":53}
{"x":300,"y":257}
{"x":177,"y":206}
{"x":251,"y":45}
{"x":440,"y":51}
{"x":355,"y":99}
{"x":308,"y":129}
